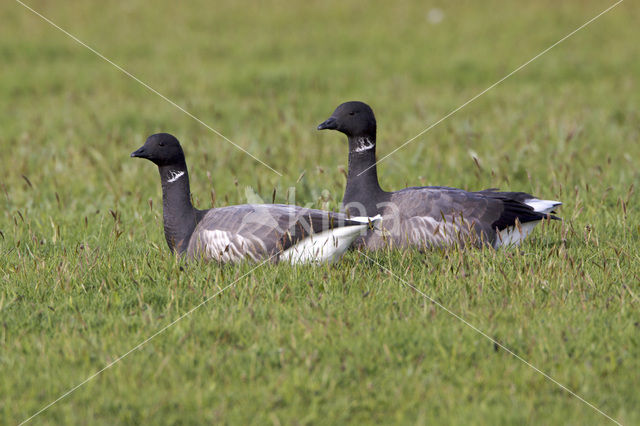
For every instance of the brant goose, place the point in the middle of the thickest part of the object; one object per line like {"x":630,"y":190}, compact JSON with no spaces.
{"x":431,"y":216}
{"x":248,"y":231}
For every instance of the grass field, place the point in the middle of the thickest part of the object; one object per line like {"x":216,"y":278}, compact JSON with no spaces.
{"x":85,"y":274}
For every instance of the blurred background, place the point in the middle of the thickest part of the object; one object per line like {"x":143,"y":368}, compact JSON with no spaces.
{"x":265,"y":75}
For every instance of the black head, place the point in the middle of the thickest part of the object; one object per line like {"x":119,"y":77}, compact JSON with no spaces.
{"x":162,"y":149}
{"x":353,"y":119}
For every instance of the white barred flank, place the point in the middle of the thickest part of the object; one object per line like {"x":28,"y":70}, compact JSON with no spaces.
{"x":433,"y":232}
{"x":225,"y":246}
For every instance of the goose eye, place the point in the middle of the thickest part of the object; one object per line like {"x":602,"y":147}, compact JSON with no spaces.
{"x":352,"y":113}
{"x":161,"y":143}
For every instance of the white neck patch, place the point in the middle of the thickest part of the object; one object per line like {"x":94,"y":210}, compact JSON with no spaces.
{"x":363,"y":144}
{"x":174,"y":176}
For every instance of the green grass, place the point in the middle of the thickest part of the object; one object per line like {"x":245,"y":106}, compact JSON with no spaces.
{"x":85,"y":274}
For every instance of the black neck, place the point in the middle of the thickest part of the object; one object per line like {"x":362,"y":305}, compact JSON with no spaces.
{"x":363,"y":191}
{"x":179,"y":215}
